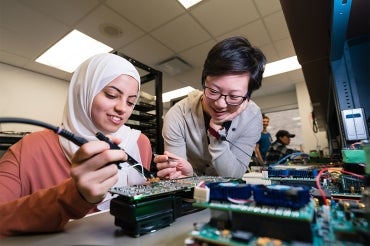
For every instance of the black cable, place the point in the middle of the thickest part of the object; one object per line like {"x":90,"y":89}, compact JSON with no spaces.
{"x":60,"y":131}
{"x":77,"y":139}
{"x":255,"y":159}
{"x":315,"y":127}
{"x":129,"y":160}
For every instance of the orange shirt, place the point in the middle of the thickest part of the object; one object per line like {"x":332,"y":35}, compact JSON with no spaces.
{"x":36,"y":191}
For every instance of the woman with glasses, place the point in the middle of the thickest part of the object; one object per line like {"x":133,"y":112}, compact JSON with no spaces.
{"x":213,"y":132}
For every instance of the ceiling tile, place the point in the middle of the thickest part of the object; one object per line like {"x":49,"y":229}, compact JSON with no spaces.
{"x":270,"y":53}
{"x":147,"y":50}
{"x":255,"y":32}
{"x":92,"y":24}
{"x":19,"y":35}
{"x":276,"y":26}
{"x":148,"y":15}
{"x":285,"y":48}
{"x":170,"y":83}
{"x":191,"y":78}
{"x":274,"y":84}
{"x":197,"y":55}
{"x":57,"y":9}
{"x":266,"y":7}
{"x":296,"y":76}
{"x":181,"y":33}
{"x":219,"y":16}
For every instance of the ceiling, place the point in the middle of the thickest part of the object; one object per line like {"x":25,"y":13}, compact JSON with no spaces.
{"x":149,"y":32}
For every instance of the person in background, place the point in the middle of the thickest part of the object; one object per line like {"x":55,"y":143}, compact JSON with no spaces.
{"x":265,"y":141}
{"x":214,"y":131}
{"x":46,"y":180}
{"x":278,"y":149}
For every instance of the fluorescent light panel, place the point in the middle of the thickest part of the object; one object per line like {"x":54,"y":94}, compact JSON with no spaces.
{"x":71,"y":51}
{"x":188,"y":3}
{"x":282,"y":66}
{"x":166,"y":97}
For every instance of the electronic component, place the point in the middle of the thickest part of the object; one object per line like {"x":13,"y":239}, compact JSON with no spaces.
{"x":261,"y":221}
{"x":139,"y":217}
{"x":257,"y":178}
{"x":342,"y":223}
{"x":293,"y":174}
{"x":286,"y":215}
{"x":354,"y":123}
{"x":346,"y":224}
{"x":139,"y":209}
{"x":162,"y":187}
{"x":294,"y":197}
{"x":293,"y":171}
{"x":350,"y":184}
{"x":341,"y":183}
{"x":229,"y":191}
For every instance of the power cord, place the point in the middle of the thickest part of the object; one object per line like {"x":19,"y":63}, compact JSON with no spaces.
{"x":255,"y":159}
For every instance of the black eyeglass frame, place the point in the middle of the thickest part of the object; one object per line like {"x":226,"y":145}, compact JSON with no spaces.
{"x":222,"y":95}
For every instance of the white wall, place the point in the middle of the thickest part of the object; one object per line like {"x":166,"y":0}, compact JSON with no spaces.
{"x":312,"y":140}
{"x":273,"y":103}
{"x":296,"y":99}
{"x":30,"y":95}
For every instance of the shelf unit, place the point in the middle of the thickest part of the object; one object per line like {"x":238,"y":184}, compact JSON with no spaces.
{"x":147,"y":114}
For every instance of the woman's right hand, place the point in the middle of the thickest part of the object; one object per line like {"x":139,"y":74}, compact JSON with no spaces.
{"x":171,"y":166}
{"x":92,"y":175}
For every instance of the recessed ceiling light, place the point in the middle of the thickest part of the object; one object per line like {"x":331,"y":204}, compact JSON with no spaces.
{"x":282,"y":66}
{"x":71,"y":51}
{"x":166,"y":97}
{"x":188,"y":3}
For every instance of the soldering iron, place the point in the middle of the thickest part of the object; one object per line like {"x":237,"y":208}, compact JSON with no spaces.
{"x":79,"y":140}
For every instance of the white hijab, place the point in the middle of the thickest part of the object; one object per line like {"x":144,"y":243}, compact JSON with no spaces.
{"x":87,"y":81}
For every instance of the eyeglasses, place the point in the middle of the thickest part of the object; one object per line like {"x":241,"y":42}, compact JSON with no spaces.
{"x":229,"y":99}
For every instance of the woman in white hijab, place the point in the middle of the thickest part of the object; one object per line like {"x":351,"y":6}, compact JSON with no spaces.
{"x":45,"y":176}
{"x":94,"y":76}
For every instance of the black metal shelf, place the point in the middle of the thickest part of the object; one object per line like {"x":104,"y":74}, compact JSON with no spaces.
{"x":149,"y":123}
{"x":145,"y":107}
{"x":142,"y":116}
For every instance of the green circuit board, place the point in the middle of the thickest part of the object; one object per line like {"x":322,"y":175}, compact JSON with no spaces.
{"x":344,"y":227}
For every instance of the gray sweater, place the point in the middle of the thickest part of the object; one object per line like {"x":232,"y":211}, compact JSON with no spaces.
{"x":185,"y":135}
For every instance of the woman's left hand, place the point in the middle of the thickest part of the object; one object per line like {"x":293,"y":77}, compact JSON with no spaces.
{"x":171,"y":166}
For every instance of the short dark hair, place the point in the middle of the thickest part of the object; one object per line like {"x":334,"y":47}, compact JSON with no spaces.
{"x":235,"y":55}
{"x":283,"y":133}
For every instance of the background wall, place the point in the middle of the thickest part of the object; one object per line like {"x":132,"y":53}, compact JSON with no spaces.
{"x":30,"y":95}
